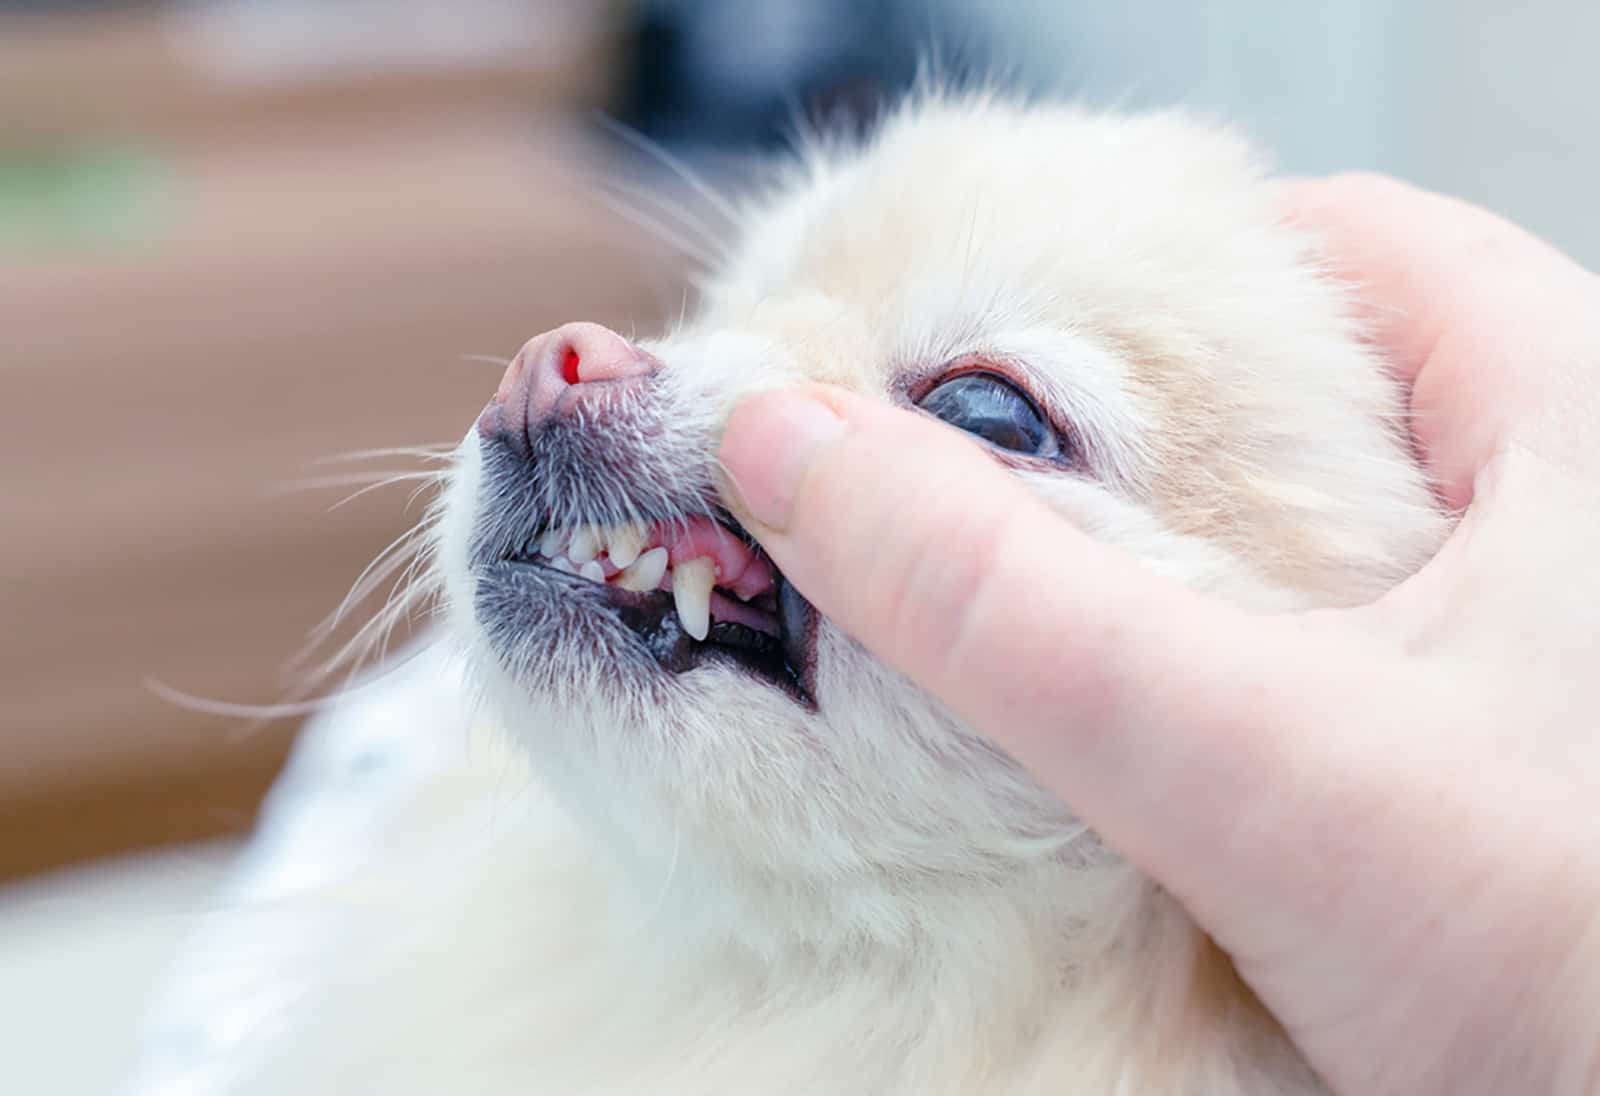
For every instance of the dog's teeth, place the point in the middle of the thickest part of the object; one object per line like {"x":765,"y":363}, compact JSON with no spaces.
{"x":551,"y":543}
{"x":585,"y":544}
{"x":692,"y":581}
{"x":565,"y":565}
{"x":592,"y":571}
{"x":645,"y":573}
{"x":624,"y":544}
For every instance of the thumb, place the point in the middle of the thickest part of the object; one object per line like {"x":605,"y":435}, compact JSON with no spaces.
{"x":1157,"y":714}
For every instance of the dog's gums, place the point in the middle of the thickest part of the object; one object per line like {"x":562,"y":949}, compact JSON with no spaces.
{"x":690,"y":588}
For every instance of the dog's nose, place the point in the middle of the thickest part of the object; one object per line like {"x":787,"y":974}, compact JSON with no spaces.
{"x":562,"y":367}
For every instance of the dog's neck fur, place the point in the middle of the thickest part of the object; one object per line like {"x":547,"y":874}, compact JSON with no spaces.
{"x":1069,"y":967}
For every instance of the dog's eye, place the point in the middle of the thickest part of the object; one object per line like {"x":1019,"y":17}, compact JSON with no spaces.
{"x":995,"y":410}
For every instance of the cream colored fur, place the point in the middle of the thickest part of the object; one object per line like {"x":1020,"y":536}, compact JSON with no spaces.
{"x":720,"y":892}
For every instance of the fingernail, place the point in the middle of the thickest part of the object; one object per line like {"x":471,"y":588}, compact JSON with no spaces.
{"x":770,"y":441}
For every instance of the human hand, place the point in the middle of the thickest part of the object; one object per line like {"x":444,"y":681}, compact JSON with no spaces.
{"x":1385,"y":815}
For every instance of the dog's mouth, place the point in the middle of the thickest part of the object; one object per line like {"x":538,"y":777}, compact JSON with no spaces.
{"x":692,"y":589}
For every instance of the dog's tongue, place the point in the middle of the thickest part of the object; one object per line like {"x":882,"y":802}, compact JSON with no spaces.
{"x":691,"y":556}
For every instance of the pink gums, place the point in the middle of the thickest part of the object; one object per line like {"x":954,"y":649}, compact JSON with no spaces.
{"x":740,"y":572}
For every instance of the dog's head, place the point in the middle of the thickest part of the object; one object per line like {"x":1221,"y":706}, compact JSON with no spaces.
{"x":1110,"y":303}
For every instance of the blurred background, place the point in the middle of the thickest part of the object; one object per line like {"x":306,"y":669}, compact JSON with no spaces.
{"x":241,"y":236}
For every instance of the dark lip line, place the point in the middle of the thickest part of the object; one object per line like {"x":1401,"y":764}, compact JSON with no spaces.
{"x":611,"y":593}
{"x":798,"y":682}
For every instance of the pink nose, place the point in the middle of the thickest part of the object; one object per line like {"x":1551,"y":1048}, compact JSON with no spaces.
{"x":576,"y":361}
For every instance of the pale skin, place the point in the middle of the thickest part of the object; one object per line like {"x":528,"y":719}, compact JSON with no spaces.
{"x":1389,"y":816}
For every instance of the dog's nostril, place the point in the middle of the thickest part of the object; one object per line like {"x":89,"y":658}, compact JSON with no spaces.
{"x":584,"y":353}
{"x":583,"y":359}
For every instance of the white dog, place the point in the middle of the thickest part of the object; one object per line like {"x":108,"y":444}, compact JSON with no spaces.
{"x":641,"y":822}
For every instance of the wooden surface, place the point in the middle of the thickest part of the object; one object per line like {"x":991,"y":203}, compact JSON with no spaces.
{"x":314,"y":293}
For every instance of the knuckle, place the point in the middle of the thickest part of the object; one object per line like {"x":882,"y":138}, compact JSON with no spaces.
{"x":1362,"y":187}
{"x":1349,"y":192}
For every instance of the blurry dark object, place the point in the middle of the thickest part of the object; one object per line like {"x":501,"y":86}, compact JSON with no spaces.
{"x":736,"y":73}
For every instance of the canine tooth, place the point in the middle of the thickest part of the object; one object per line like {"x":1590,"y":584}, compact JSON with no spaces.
{"x":645,"y":573}
{"x":592,"y":571}
{"x":585,"y":544}
{"x":625,"y":544}
{"x":565,"y":565}
{"x":692,"y":581}
{"x":550,"y":544}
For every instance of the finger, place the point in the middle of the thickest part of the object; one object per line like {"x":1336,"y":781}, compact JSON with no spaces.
{"x":1157,"y":714}
{"x":1483,"y":320}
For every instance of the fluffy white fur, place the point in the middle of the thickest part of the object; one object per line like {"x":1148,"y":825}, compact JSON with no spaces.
{"x":701,"y":887}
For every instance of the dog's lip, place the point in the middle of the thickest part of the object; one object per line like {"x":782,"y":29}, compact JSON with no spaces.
{"x":786,"y":661}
